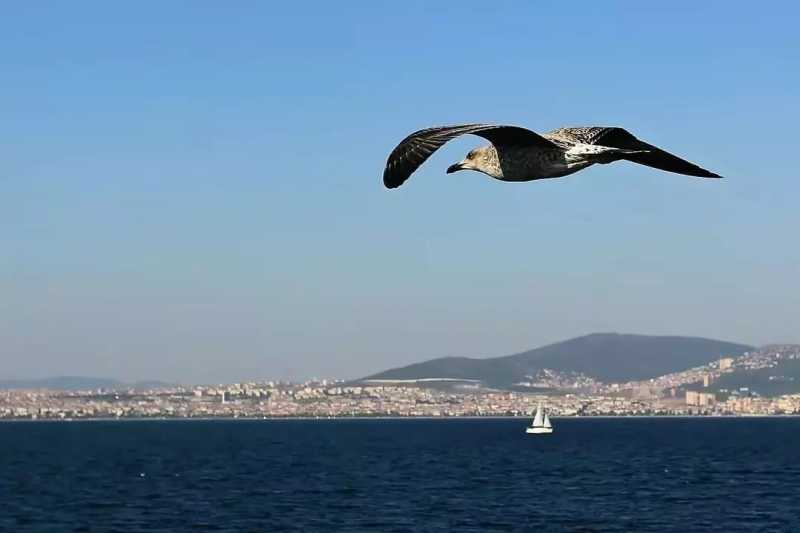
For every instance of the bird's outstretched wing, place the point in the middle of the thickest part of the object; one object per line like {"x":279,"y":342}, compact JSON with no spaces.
{"x":418,"y":147}
{"x":620,"y":138}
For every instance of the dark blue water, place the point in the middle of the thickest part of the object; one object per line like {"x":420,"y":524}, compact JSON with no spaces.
{"x":401,"y":475}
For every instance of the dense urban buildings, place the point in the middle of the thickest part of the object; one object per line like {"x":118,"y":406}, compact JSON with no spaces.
{"x":684,"y":393}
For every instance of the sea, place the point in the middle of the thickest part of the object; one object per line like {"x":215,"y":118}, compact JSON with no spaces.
{"x":401,"y":475}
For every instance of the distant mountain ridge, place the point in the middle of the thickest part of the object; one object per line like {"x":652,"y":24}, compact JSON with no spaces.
{"x":77,"y":383}
{"x":608,"y":357}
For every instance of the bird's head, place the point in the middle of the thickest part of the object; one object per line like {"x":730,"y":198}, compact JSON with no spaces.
{"x":483,"y":159}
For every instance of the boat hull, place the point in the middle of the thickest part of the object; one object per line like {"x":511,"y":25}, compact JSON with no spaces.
{"x":539,"y":431}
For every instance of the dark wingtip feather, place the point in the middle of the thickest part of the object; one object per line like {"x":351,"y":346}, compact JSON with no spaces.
{"x":393,"y":177}
{"x":709,"y":174}
{"x":391,"y":184}
{"x":392,"y":180}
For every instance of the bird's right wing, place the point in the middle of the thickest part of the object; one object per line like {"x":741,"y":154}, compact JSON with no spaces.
{"x":652,"y":156}
{"x":418,"y":147}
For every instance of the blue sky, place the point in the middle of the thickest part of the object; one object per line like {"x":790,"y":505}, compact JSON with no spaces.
{"x":192,"y":191}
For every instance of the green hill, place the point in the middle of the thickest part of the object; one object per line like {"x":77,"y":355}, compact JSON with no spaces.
{"x":608,"y":357}
{"x":783,"y":378}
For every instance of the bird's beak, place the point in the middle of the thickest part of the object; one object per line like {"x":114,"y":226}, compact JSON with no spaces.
{"x":456,"y":167}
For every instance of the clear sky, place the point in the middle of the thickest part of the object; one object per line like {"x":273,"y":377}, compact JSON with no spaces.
{"x":192,"y":191}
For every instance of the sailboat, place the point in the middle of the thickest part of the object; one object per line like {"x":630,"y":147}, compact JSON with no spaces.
{"x":541,"y":424}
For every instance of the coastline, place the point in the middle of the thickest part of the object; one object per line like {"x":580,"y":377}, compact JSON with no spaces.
{"x":391,"y":418}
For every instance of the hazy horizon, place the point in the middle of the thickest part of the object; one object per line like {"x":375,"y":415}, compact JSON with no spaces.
{"x":192,"y":191}
{"x":340,"y":377}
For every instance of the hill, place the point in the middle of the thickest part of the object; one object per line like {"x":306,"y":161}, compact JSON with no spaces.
{"x":608,"y":357}
{"x":781,"y":377}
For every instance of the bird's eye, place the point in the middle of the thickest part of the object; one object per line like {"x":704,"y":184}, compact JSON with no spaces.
{"x":470,"y":155}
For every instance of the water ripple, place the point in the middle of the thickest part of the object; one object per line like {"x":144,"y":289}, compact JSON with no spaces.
{"x":728,"y":475}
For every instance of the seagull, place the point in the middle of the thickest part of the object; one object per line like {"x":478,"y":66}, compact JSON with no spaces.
{"x":519,"y":154}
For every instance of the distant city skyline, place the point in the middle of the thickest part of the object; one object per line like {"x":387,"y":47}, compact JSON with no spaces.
{"x":192,"y":192}
{"x":726,"y":386}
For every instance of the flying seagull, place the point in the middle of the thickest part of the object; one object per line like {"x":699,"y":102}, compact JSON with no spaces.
{"x":518,"y":154}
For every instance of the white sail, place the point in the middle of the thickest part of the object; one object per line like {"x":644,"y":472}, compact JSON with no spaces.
{"x":537,"y":420}
{"x":541,"y":423}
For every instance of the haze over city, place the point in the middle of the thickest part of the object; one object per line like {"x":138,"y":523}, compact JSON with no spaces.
{"x":196,"y":197}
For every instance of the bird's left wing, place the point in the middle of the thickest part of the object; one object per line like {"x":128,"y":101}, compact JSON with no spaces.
{"x":418,"y":147}
{"x":651,"y":156}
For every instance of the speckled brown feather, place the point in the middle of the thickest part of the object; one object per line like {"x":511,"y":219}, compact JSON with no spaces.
{"x":621,"y":138}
